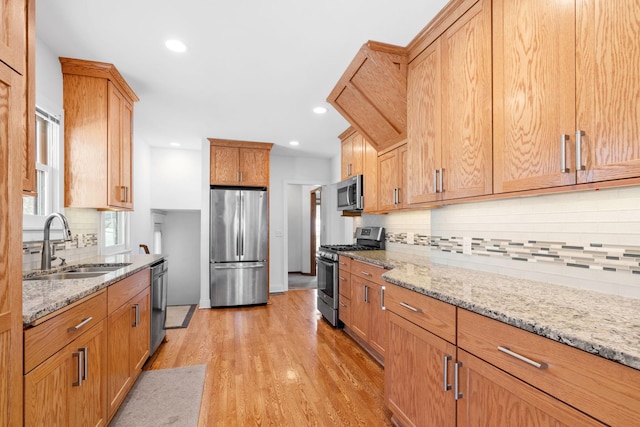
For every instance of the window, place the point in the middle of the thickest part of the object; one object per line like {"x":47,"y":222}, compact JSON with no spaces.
{"x":47,"y":166}
{"x":115,"y":228}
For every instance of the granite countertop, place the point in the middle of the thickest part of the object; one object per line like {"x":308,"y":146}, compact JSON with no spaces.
{"x":598,"y":323}
{"x":41,"y":297}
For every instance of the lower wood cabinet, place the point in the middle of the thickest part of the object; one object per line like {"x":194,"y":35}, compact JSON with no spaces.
{"x":128,"y":339}
{"x":68,"y":389}
{"x":418,"y":374}
{"x":368,"y":317}
{"x":344,"y":289}
{"x":491,"y":397}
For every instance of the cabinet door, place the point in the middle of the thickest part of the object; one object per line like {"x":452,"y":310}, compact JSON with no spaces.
{"x":492,"y":397}
{"x":466,"y":144}
{"x":402,"y":176}
{"x":224,"y":165}
{"x":359,"y":307}
{"x":126,"y":149}
{"x":346,"y":157}
{"x":119,"y":355}
{"x":54,"y":394}
{"x":140,"y":331}
{"x":424,"y":124}
{"x":533,"y":92}
{"x":117,"y":190}
{"x":13,"y":30}
{"x":608,"y":89}
{"x":370,"y":178}
{"x":254,"y":167}
{"x":344,"y":310}
{"x":414,"y":375}
{"x":378,"y":323}
{"x":388,"y":165}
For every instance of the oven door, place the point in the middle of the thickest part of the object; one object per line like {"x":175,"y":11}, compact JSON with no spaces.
{"x":328,"y":281}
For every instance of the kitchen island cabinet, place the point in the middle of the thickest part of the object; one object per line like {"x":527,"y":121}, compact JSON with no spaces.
{"x":98,"y":105}
{"x":579,"y":123}
{"x":449,"y":133}
{"x":239,"y":163}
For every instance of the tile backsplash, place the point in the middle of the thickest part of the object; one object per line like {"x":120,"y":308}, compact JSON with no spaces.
{"x":588,"y":239}
{"x":84,"y":225}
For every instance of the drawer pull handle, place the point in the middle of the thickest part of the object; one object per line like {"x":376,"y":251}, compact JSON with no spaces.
{"x":80,"y":325}
{"x":447,"y":386}
{"x":366,"y":274}
{"x":408,"y":307}
{"x":342,"y":304}
{"x":539,"y":365}
{"x":342,"y":278}
{"x":382,"y":289}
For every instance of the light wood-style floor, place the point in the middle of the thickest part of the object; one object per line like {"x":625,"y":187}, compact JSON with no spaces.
{"x":277,"y":365}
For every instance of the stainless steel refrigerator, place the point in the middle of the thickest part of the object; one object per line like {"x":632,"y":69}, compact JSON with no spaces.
{"x":239,"y":247}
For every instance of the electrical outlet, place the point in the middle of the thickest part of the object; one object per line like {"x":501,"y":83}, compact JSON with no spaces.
{"x":466,"y":245}
{"x":410,"y":239}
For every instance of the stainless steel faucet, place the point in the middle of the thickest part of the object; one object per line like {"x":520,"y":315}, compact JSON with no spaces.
{"x":46,"y":245}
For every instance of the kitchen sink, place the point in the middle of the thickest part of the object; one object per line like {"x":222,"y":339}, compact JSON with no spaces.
{"x":96,"y":268}
{"x":66,"y":275}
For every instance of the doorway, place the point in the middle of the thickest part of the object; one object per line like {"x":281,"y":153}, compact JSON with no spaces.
{"x":315,"y":226}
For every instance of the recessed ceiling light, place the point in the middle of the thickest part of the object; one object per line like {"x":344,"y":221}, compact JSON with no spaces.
{"x":174,"y":144}
{"x":294,"y":143}
{"x":319,"y":110}
{"x":175,"y":45}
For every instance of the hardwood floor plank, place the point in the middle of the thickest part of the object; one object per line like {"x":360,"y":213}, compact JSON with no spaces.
{"x":277,"y":365}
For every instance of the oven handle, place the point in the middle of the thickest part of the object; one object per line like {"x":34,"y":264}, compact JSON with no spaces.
{"x":325,"y":262}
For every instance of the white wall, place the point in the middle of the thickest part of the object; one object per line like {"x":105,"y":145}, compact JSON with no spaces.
{"x":141,"y":222}
{"x":294,"y":227}
{"x":181,"y":242}
{"x":176,"y":178}
{"x":285,"y":171}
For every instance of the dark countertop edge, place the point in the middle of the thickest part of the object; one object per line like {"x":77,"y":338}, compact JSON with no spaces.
{"x":605,"y":352}
{"x":28,"y":319}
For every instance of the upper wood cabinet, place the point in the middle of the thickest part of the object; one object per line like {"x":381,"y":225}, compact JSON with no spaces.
{"x":239,"y":163}
{"x":392,"y":179}
{"x":13,"y":41}
{"x":29,"y":183}
{"x":359,"y":157}
{"x":372,"y":94}
{"x":449,"y":136}
{"x":565,"y":112}
{"x":98,"y":106}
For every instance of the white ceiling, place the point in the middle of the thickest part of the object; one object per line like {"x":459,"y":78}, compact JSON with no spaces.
{"x":254,"y":69}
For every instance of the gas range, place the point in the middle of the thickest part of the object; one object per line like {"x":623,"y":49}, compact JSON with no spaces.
{"x":367,"y":238}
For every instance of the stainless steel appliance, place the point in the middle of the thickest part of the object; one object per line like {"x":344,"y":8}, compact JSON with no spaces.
{"x":159,"y":287}
{"x":367,"y":238}
{"x":350,"y":194}
{"x":238,"y":244}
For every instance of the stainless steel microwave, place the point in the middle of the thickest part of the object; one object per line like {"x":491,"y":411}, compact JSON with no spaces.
{"x":350,"y":196}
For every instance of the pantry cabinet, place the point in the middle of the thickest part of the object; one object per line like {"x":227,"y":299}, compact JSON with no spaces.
{"x":392,"y":179}
{"x":128,"y":335}
{"x":239,"y":163}
{"x":372,"y":94}
{"x":564,"y":112}
{"x":98,"y":105}
{"x":449,"y":130}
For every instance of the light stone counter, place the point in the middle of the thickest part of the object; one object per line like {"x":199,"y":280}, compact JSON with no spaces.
{"x":41,"y":297}
{"x":601,"y":324}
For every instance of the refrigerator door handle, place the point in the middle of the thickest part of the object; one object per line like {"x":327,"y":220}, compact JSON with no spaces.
{"x":237,"y":267}
{"x":242,"y":224}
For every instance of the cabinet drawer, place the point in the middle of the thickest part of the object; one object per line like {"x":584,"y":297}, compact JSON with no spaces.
{"x":344,"y":283}
{"x":344,"y":263}
{"x":47,"y":338}
{"x":606,"y":390}
{"x":368,"y":271}
{"x":435,"y":316}
{"x":344,"y":310}
{"x":124,"y":290}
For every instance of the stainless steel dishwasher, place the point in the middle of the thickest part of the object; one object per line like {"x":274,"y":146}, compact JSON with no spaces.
{"x":159,"y":286}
